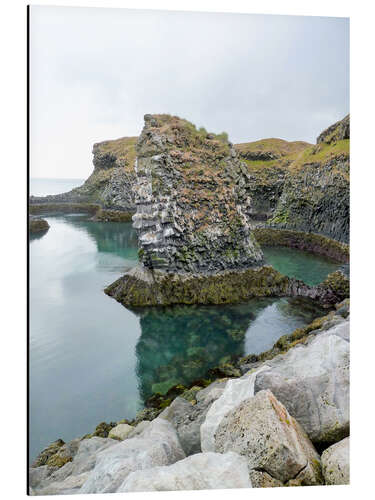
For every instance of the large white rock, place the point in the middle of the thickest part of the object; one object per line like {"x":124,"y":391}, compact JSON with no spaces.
{"x":70,"y":486}
{"x":157,"y":445}
{"x":120,"y":432}
{"x":197,"y":472}
{"x":312,"y":381}
{"x":236,"y":391}
{"x":336,"y":464}
{"x":262,"y":430}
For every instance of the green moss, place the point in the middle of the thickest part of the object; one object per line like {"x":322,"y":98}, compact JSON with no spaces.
{"x":58,"y":461}
{"x":322,"y":153}
{"x":40,"y":208}
{"x":310,"y":242}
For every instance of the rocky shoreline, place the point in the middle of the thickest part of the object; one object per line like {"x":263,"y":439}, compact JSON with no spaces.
{"x":203,"y":208}
{"x":304,"y":414}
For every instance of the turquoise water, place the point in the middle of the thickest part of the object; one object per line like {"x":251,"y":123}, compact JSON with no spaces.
{"x":93,"y":360}
{"x":310,"y":268}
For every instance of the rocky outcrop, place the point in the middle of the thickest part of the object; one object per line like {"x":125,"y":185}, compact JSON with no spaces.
{"x":315,"y":195}
{"x":109,"y":187}
{"x":267,"y":164}
{"x":140,"y":287}
{"x":335,"y":463}
{"x":190,"y":200}
{"x":339,"y":131}
{"x":37,"y":225}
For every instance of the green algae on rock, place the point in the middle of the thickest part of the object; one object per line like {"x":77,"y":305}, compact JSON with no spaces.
{"x":141,"y":287}
{"x":311,"y":242}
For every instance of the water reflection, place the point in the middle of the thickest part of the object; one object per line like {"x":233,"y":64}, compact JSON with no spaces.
{"x":179,"y":344}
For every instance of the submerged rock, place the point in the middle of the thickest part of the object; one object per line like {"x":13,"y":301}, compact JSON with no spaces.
{"x":262,"y":430}
{"x":199,"y":472}
{"x":335,"y":462}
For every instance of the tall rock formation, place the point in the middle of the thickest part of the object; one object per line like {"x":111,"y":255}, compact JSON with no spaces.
{"x":315,"y":196}
{"x":191,"y":201}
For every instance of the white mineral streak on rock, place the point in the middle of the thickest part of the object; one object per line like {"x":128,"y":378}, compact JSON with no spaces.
{"x":236,"y":391}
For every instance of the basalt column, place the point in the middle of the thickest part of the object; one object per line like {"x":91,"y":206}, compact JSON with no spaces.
{"x":190,"y":200}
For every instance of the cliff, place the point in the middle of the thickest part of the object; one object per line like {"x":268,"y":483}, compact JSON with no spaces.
{"x":190,"y":200}
{"x":267,"y":164}
{"x":315,"y":195}
{"x":195,"y":238}
{"x":110,"y":184}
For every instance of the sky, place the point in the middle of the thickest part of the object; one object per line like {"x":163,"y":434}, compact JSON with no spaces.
{"x":95,"y":72}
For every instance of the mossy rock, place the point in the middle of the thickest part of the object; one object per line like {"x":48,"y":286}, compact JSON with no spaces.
{"x":58,"y":460}
{"x":103,"y":429}
{"x":48,"y":452}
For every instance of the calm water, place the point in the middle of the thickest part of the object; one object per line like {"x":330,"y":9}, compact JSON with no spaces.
{"x":91,"y":359}
{"x":42,"y":187}
{"x":310,"y":268}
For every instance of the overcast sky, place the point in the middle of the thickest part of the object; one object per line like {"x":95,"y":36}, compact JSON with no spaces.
{"x":96,"y":72}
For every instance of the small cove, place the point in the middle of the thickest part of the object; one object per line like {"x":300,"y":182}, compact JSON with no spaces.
{"x":93,"y":360}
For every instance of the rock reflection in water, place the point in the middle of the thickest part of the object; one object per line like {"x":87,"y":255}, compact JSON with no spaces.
{"x":180,"y":344}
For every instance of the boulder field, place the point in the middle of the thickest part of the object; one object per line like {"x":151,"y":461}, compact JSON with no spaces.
{"x":284,"y":422}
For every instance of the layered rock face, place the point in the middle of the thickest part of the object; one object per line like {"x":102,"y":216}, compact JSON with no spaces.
{"x":267,"y":164}
{"x":315,"y":196}
{"x":191,"y":201}
{"x":110,"y":184}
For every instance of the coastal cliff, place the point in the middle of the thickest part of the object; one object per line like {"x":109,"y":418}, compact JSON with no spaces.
{"x":267,"y":163}
{"x":315,"y":196}
{"x":195,"y":237}
{"x":108,"y":190}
